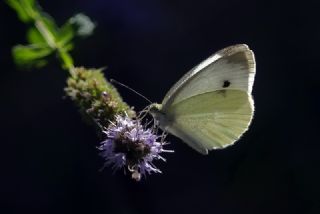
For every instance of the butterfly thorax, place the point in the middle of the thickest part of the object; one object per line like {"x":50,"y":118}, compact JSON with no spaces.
{"x":159,"y":116}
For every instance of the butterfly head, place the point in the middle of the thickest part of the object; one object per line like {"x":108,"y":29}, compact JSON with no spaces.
{"x":159,"y":115}
{"x":154,"y":109}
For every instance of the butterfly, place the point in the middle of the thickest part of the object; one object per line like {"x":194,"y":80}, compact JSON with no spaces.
{"x":211,"y":106}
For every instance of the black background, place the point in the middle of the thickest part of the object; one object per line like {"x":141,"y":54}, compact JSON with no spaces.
{"x":49,"y":162}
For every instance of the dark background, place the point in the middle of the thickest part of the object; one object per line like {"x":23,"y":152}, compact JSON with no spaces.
{"x":49,"y":161}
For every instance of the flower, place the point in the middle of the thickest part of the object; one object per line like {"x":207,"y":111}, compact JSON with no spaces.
{"x":98,"y":100}
{"x":132,"y":146}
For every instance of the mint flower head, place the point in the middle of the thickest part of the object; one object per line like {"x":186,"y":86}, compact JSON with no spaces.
{"x":130,"y":145}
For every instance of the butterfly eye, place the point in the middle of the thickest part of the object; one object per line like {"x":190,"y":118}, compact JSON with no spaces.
{"x":226,"y":84}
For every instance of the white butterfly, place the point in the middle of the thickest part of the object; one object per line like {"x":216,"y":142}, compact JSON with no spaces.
{"x":211,"y":106}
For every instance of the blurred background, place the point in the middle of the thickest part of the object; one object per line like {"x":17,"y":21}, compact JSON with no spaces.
{"x":49,"y":161}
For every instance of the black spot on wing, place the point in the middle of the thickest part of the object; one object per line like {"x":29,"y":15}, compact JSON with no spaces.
{"x":226,"y":84}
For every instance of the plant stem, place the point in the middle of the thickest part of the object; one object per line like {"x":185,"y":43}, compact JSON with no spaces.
{"x":67,"y":59}
{"x":46,"y":34}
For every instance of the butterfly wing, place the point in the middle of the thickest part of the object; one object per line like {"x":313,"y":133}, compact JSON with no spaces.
{"x":211,"y":120}
{"x":230,"y":68}
{"x":211,"y":106}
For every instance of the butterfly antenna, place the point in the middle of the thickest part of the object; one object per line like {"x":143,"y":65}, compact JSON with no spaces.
{"x":127,"y":87}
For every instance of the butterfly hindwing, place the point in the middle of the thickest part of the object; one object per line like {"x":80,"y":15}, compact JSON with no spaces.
{"x":211,"y":120}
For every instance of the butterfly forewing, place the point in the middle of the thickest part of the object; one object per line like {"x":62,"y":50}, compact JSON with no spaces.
{"x":229,"y":68}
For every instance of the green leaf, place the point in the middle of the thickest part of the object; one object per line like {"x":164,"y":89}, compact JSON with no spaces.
{"x":83,"y":24}
{"x":66,"y":34}
{"x":34,"y":36}
{"x":31,"y":55}
{"x":30,"y":6}
{"x":27,"y":10}
{"x":68,"y":47}
{"x":18,"y":7}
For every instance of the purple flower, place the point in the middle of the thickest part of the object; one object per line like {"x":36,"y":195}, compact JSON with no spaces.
{"x":129,"y":144}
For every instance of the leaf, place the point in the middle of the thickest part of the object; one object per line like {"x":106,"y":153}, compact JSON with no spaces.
{"x":66,"y":34}
{"x":34,"y":36}
{"x":31,"y":7}
{"x":68,"y":47}
{"x":22,"y":14}
{"x":27,"y":10}
{"x":83,"y":24}
{"x":31,"y":55}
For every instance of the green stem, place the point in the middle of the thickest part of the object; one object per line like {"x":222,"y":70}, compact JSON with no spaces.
{"x":67,"y":59}
{"x":46,"y":34}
